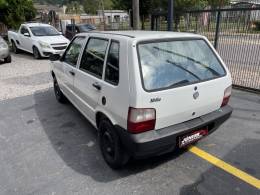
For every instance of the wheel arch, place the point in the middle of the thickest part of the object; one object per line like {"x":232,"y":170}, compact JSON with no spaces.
{"x":102,"y":114}
{"x":53,"y":74}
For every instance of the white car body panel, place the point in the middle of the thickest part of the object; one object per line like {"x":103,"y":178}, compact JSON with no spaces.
{"x":177,"y":104}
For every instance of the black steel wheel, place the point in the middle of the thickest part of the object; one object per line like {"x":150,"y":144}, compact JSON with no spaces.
{"x":58,"y":93}
{"x":14,"y":48}
{"x":8,"y":59}
{"x":111,"y":146}
{"x":36,"y":53}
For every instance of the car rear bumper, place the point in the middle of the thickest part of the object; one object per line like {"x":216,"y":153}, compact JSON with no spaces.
{"x":157,"y":142}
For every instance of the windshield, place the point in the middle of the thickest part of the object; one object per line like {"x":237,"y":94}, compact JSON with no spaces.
{"x":175,"y":63}
{"x":44,"y":31}
{"x":86,"y":27}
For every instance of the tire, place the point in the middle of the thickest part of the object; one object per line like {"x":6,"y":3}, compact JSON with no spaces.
{"x":60,"y":97}
{"x":8,"y":59}
{"x":110,"y":145}
{"x":36,"y":53}
{"x":14,"y":48}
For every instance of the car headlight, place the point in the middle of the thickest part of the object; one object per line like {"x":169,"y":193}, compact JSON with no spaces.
{"x":3,"y":45}
{"x":44,"y":45}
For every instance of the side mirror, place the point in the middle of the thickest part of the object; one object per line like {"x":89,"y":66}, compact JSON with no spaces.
{"x":26,"y":34}
{"x":54,"y":57}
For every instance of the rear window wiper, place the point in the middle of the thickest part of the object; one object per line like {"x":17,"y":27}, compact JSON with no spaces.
{"x":191,"y":59}
{"x":179,"y":83}
{"x":186,"y":70}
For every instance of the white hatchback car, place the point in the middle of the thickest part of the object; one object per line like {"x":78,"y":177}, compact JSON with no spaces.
{"x":146,"y":92}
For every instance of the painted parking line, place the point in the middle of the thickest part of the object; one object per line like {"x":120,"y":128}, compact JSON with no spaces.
{"x":225,"y":166}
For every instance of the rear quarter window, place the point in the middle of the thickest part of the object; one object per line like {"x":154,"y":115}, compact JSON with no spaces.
{"x":174,"y":63}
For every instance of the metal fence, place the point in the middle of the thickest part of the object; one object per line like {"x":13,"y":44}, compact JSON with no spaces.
{"x":235,"y":33}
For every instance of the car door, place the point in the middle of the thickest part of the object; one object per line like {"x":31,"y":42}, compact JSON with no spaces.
{"x":88,"y":78}
{"x":26,"y":42}
{"x":69,"y":62}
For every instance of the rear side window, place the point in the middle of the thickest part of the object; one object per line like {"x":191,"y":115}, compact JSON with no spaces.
{"x":93,"y":57}
{"x":112,"y":66}
{"x":169,"y":64}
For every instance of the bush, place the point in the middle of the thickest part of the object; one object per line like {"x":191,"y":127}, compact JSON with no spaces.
{"x":256,"y":25}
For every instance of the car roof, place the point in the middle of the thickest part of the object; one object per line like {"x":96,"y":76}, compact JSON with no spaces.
{"x":35,"y":24}
{"x":146,"y":35}
{"x":80,"y":24}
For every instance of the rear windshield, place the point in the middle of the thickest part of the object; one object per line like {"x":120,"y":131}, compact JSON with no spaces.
{"x":169,"y":64}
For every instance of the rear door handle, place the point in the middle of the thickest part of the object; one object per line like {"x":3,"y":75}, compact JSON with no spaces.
{"x":72,"y":73}
{"x":97,"y":86}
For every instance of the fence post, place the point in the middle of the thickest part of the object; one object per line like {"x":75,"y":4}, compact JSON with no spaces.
{"x":152,"y":22}
{"x":217,"y":30}
{"x":61,"y":29}
{"x":170,"y":15}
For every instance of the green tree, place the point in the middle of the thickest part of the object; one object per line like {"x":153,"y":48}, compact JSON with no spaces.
{"x":14,"y":12}
{"x":217,"y":3}
{"x":74,"y":7}
{"x":91,"y":6}
{"x":52,"y":2}
{"x":149,"y":6}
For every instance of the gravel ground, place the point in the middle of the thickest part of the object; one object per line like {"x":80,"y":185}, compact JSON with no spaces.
{"x":24,"y":76}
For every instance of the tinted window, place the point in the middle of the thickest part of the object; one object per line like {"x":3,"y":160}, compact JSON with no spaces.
{"x":86,"y":27}
{"x":175,"y":63}
{"x":44,"y":31}
{"x":93,"y":56}
{"x":112,"y":66}
{"x":69,"y":28}
{"x":72,"y":53}
{"x":24,"y":30}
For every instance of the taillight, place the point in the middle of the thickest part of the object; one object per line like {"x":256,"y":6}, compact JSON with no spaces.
{"x":227,"y":95}
{"x":141,"y":119}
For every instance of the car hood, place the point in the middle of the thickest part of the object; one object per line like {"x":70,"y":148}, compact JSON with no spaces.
{"x":53,"y":39}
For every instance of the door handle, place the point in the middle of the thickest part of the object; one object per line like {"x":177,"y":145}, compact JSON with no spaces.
{"x":97,"y":86}
{"x":72,"y":73}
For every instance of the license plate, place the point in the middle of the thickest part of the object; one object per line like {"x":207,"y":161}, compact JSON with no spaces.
{"x":192,"y":137}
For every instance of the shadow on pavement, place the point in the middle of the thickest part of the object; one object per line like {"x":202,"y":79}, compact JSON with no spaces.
{"x":75,"y":141}
{"x":25,"y":55}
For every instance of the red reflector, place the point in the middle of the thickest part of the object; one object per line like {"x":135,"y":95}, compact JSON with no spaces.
{"x":225,"y":101}
{"x":227,"y":95}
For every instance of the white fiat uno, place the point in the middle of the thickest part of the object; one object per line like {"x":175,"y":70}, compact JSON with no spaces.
{"x":146,"y":92}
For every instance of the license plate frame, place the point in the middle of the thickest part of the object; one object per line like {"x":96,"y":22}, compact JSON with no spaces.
{"x":191,"y":137}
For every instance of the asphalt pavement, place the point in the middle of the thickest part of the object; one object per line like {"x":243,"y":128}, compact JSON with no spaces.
{"x":50,"y":148}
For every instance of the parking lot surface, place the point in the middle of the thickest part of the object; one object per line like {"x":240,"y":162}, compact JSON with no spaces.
{"x":50,"y":148}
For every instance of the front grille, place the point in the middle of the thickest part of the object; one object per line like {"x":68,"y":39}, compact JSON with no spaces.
{"x":59,"y":48}
{"x":58,"y":44}
{"x":47,"y":53}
